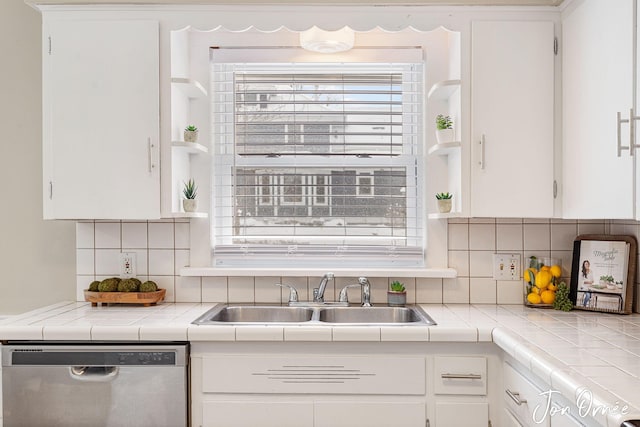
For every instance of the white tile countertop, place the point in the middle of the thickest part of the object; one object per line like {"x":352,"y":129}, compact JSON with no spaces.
{"x":570,"y":351}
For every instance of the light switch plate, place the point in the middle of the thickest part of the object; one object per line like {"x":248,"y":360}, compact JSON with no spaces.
{"x":507,"y":267}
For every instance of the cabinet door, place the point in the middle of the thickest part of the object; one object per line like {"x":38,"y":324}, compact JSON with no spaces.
{"x":101,"y":119}
{"x":468,"y":414}
{"x":560,"y":419}
{"x":597,"y":69}
{"x":257,"y":413}
{"x":512,"y":119}
{"x":370,"y":414}
{"x":510,"y":420}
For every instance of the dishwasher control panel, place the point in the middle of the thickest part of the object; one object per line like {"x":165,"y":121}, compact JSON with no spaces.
{"x":99,"y":355}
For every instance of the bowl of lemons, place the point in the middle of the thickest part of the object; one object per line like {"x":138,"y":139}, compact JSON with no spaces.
{"x":541,"y":281}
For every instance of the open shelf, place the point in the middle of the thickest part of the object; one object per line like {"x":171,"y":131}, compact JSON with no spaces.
{"x":190,"y":147}
{"x":191,"y":88}
{"x":190,"y":215}
{"x":444,"y":89}
{"x":439,"y":215}
{"x":445,"y":148}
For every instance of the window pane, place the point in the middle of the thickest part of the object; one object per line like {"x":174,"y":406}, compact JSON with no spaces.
{"x":326,"y":164}
{"x":319,"y":113}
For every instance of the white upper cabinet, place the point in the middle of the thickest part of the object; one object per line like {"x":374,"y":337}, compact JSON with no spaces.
{"x":512,"y":119}
{"x":101,"y":119}
{"x":598,"y":79}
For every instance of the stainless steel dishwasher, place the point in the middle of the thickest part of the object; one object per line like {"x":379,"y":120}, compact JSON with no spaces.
{"x":94,"y":385}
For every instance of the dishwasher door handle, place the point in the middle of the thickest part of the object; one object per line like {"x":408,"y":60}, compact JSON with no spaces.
{"x":93,"y":373}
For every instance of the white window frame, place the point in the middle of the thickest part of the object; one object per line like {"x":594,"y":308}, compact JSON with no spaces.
{"x":408,"y":163}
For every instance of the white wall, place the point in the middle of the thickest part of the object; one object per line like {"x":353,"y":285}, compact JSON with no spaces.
{"x":37,"y":258}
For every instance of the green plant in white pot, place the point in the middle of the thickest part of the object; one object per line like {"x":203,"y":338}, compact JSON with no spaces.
{"x":397,"y":294}
{"x":444,"y":126}
{"x":190,"y":134}
{"x":444,"y":202}
{"x":190,"y":191}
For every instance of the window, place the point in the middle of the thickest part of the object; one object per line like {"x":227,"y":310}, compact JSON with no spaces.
{"x":317,"y":161}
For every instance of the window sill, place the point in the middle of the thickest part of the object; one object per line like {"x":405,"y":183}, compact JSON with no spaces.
{"x":442,"y":273}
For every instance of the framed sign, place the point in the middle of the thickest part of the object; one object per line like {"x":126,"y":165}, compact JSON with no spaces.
{"x":603,"y":273}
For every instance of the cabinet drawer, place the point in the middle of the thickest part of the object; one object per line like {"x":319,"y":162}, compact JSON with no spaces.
{"x":314,"y":375}
{"x":460,"y":375}
{"x":523,"y":398}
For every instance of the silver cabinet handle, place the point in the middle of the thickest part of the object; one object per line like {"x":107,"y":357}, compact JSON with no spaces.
{"x":632,"y":132}
{"x":461,"y":376}
{"x":482,"y":143}
{"x":620,"y":121}
{"x":50,"y":190}
{"x":515,"y":397}
{"x":150,"y":151}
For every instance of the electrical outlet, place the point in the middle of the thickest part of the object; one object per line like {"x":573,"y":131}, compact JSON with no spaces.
{"x":127,"y":265}
{"x":507,"y":267}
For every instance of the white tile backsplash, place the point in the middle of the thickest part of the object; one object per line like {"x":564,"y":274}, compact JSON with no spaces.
{"x":107,"y":235}
{"x":85,"y":232}
{"x":482,"y":236}
{"x":509,"y":237}
{"x":214,"y":289}
{"x":107,"y":262}
{"x":84,"y":261}
{"x":161,"y":235}
{"x":163,"y":247}
{"x":537,"y":237}
{"x":162,"y":262}
{"x":481,"y":263}
{"x":134,"y":235}
{"x":182,"y":238}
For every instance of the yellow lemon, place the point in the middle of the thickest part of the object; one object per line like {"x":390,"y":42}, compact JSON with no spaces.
{"x":552,"y":287}
{"x":530,"y":275}
{"x":548,"y":297}
{"x":556,"y":271}
{"x":536,"y":290}
{"x":543,"y":278}
{"x":534,"y":298}
{"x":545,"y":268}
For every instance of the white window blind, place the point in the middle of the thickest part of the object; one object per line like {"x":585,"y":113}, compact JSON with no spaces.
{"x":317,"y":162}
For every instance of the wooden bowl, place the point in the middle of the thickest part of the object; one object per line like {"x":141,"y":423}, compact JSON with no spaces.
{"x":144,"y":298}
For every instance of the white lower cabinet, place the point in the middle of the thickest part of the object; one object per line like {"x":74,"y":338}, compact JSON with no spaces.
{"x":244,"y":390}
{"x":530,"y":402}
{"x":460,"y":388}
{"x":510,"y":420}
{"x":230,"y":413}
{"x":560,"y":419}
{"x":355,"y":413}
{"x":523,"y":398}
{"x":466,"y":414}
{"x":340,"y":385}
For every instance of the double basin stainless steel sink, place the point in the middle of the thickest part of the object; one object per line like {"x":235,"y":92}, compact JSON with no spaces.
{"x":316,"y":315}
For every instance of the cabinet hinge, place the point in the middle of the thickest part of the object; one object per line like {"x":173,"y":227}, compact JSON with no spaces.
{"x":555,"y":46}
{"x":49,"y":45}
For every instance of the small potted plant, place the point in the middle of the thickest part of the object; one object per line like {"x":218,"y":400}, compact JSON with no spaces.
{"x":444,"y":132}
{"x":190,"y":134}
{"x":444,"y":202}
{"x":397,"y":294}
{"x":189,"y":203}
